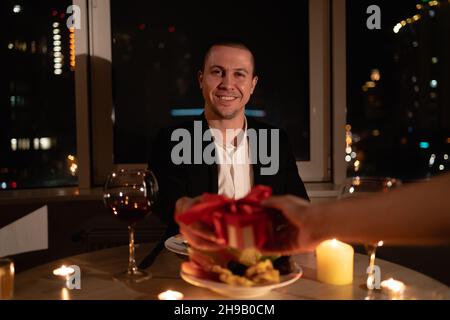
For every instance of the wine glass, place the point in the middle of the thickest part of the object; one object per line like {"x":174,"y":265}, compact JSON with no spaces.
{"x":363,"y":186}
{"x":129,"y":195}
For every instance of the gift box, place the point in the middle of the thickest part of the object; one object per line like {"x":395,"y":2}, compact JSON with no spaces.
{"x":245,"y":231}
{"x":239,"y":223}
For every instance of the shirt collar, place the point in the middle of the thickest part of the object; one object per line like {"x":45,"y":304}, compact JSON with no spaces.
{"x":229,"y":143}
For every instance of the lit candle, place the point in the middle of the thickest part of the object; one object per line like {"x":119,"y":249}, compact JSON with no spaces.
{"x":393,"y":286}
{"x":63,"y":271}
{"x":170,"y":295}
{"x":334,"y":262}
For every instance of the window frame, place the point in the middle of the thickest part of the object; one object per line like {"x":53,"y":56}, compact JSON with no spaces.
{"x":327,"y":88}
{"x":82,"y":98}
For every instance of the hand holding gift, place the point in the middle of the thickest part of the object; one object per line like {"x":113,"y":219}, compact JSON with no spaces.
{"x":213,"y":222}
{"x":227,"y":236}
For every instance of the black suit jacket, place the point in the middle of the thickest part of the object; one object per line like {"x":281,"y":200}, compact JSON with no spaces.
{"x":191,"y":180}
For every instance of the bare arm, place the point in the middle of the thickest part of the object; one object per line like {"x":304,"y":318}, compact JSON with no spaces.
{"x":417,"y":214}
{"x":414,"y":214}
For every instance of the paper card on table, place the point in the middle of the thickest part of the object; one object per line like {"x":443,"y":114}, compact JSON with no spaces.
{"x":29,"y":233}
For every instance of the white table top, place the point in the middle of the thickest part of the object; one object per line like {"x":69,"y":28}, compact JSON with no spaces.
{"x":98,"y":267}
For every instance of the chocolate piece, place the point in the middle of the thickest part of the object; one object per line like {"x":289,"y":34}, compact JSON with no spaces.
{"x":284,"y":265}
{"x":237,"y":268}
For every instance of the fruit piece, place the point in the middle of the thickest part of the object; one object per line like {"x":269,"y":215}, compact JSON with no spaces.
{"x":249,"y":256}
{"x":263,"y":272}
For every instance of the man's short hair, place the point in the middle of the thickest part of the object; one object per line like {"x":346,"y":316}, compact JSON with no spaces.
{"x":229,"y":43}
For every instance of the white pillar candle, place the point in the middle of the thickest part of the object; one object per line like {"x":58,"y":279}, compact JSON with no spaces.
{"x":334,"y":262}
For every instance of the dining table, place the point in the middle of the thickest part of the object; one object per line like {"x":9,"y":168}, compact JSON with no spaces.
{"x":98,"y":267}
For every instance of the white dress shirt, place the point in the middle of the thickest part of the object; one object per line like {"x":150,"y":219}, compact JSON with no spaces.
{"x":235,"y":178}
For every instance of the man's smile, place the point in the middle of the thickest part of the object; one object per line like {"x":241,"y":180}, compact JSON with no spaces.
{"x":227,"y":98}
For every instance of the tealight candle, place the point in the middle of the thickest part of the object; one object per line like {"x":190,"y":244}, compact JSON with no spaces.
{"x":170,"y":295}
{"x":334,"y":262}
{"x":63,"y":271}
{"x":393,"y":286}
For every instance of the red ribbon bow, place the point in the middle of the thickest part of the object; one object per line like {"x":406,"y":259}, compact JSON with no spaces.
{"x":217,"y":212}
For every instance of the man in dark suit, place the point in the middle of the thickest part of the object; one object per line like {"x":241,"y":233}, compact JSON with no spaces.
{"x":180,"y":165}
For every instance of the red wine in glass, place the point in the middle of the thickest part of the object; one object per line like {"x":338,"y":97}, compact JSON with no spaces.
{"x":130,"y":213}
{"x":129,"y":196}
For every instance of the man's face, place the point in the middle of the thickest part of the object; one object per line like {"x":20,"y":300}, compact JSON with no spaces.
{"x":227,"y":81}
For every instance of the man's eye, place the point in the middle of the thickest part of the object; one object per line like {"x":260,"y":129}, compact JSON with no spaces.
{"x":216,"y":71}
{"x":240,"y":75}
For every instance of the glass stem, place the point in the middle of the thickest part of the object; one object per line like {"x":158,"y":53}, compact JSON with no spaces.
{"x":132,"y":268}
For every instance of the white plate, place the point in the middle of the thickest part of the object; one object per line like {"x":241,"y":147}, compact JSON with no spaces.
{"x":176,"y":244}
{"x":242,"y":292}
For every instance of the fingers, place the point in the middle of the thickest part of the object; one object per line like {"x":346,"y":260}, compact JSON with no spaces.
{"x":185,"y":203}
{"x":199,"y":230}
{"x":295,"y":239}
{"x":286,"y":249}
{"x":196,"y":234}
{"x":199,"y":240}
{"x":288,"y":242}
{"x":292,"y":207}
{"x":275,"y":251}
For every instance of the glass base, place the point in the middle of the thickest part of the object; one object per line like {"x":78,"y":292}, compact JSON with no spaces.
{"x":134,"y":277}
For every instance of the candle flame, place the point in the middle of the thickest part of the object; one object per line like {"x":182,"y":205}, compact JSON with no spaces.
{"x":63,"y":271}
{"x":170,"y":295}
{"x":393,"y":285}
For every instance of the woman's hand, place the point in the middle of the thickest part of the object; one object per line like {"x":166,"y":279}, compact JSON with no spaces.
{"x":196,"y":234}
{"x":302,"y":235}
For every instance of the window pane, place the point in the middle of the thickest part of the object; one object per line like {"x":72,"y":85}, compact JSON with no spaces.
{"x":398,"y":89}
{"x":157,"y":51}
{"x":37,"y":109}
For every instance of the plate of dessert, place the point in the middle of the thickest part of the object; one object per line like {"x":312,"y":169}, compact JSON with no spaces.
{"x":239,"y":274}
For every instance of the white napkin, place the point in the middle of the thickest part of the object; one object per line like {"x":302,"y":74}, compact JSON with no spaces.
{"x":29,"y":233}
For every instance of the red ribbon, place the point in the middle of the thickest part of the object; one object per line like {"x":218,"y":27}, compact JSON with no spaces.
{"x":217,"y":211}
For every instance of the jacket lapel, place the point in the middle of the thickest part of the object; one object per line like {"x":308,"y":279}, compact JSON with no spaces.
{"x":256,"y":167}
{"x":210,"y":171}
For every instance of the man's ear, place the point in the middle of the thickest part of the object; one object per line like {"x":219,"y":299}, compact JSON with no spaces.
{"x":200,"y":78}
{"x":254,"y":82}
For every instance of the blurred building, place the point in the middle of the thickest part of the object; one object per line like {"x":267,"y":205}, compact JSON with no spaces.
{"x":404,"y":127}
{"x":37,"y":109}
